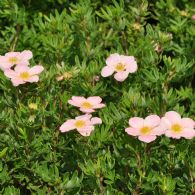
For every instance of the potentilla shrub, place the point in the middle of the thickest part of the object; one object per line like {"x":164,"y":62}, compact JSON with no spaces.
{"x":97,"y":97}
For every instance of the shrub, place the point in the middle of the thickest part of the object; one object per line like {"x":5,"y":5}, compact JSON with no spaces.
{"x":72,"y":40}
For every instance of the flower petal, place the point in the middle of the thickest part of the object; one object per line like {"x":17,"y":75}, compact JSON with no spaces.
{"x":187,"y":123}
{"x":147,"y":138}
{"x":4,"y":63}
{"x":36,"y":69}
{"x":131,"y":64}
{"x":132,"y":131}
{"x":67,"y":126}
{"x":152,"y":121}
{"x":73,"y":103}
{"x":136,"y":122}
{"x":96,"y":120}
{"x":78,"y":99}
{"x":173,"y":117}
{"x":10,"y":73}
{"x":94,"y":100}
{"x":159,"y":130}
{"x":33,"y":79}
{"x":17,"y":81}
{"x":84,"y":117}
{"x":107,"y":71}
{"x":26,"y":55}
{"x":173,"y":134}
{"x":188,"y":133}
{"x":99,"y":106}
{"x":166,"y":123}
{"x":113,"y":59}
{"x":12,"y":54}
{"x":86,"y":131}
{"x":121,"y":76}
{"x":19,"y":68}
{"x":86,"y":110}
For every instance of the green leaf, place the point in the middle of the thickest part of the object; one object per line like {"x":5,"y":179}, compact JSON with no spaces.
{"x":3,"y":152}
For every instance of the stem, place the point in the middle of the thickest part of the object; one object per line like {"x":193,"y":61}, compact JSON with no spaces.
{"x":191,"y":178}
{"x":16,"y":37}
{"x":101,"y":186}
{"x":163,"y":102}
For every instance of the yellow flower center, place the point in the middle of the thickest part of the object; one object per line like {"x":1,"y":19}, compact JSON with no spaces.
{"x":13,"y":60}
{"x":80,"y":124}
{"x":136,"y":26}
{"x":176,"y":128}
{"x":145,"y":130}
{"x":120,"y":67}
{"x":87,"y":105}
{"x":184,"y":13}
{"x":67,"y":75}
{"x":24,"y":75}
{"x":32,"y":106}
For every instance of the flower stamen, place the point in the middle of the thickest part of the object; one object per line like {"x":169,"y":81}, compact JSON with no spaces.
{"x":24,"y":75}
{"x":13,"y":60}
{"x":145,"y":130}
{"x":87,"y":105}
{"x":176,"y":128}
{"x":120,"y":67}
{"x":80,"y":124}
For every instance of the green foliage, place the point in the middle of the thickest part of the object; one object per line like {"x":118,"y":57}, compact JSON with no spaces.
{"x":72,"y":39}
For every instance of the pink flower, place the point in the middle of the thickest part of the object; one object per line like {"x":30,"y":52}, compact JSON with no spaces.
{"x":146,"y":129}
{"x":87,"y":105}
{"x":23,"y":74}
{"x":193,"y":17}
{"x":15,"y":58}
{"x":177,"y":127}
{"x":83,"y":124}
{"x":122,"y":65}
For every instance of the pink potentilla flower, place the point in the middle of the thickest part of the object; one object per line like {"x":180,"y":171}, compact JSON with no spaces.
{"x":23,"y":74}
{"x":122,"y":65}
{"x":146,"y":129}
{"x":87,"y":105}
{"x":193,"y":17}
{"x":15,"y":58}
{"x":177,"y":127}
{"x":83,"y":124}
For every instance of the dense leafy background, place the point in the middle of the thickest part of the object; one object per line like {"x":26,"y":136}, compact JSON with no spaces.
{"x":75,"y":37}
